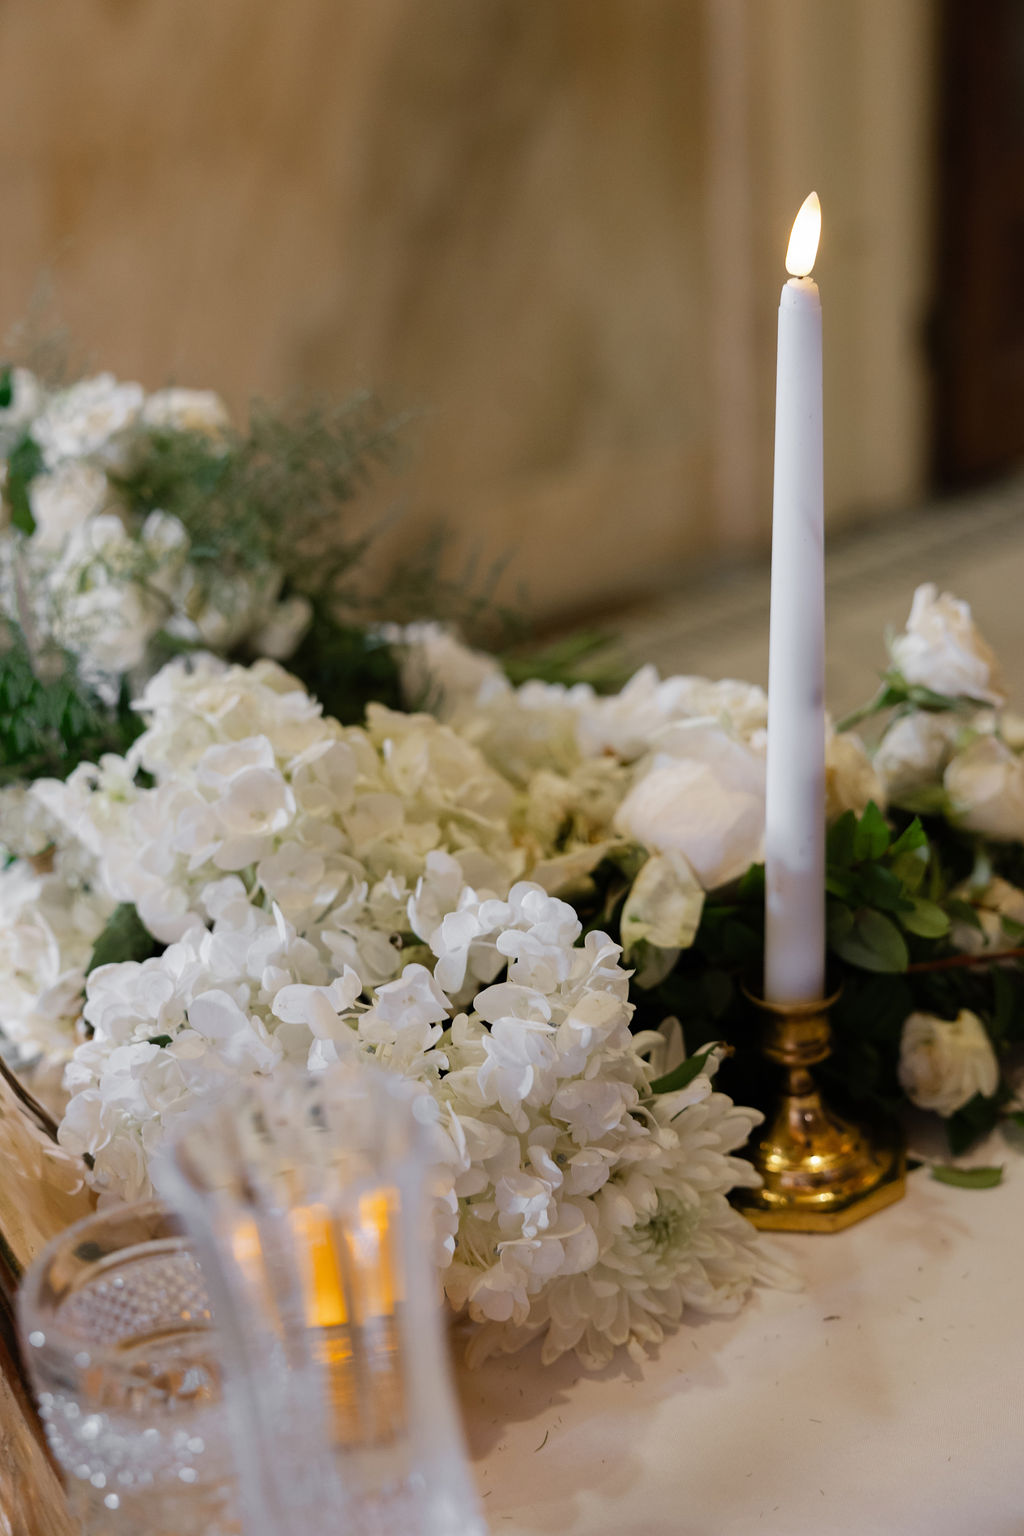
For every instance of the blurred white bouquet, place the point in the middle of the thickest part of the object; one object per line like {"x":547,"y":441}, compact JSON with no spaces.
{"x":87,"y":568}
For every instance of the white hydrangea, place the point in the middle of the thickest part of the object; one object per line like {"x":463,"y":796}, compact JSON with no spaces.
{"x":50,"y":919}
{"x":578,"y":1205}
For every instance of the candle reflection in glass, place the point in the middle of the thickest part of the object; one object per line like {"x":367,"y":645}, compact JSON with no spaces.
{"x":309,"y":1206}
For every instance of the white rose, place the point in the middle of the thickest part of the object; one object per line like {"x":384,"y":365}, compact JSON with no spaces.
{"x":702,"y":797}
{"x":943,"y":1064}
{"x":285,"y":626}
{"x":850,"y":778}
{"x":439,"y":672}
{"x":186,"y":410}
{"x":914,"y":751}
{"x":89,"y":419}
{"x":941,"y":649}
{"x":63,"y":501}
{"x":985,"y":785}
{"x":998,"y":899}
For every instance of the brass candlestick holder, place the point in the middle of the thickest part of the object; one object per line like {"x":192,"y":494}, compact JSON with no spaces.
{"x":820,"y":1172}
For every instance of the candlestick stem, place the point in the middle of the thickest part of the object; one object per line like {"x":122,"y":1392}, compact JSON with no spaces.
{"x":820,"y":1172}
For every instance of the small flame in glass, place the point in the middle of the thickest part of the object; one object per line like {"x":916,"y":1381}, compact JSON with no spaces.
{"x":803,"y":242}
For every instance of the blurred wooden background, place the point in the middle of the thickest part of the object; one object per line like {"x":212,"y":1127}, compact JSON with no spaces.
{"x":557,"y":228}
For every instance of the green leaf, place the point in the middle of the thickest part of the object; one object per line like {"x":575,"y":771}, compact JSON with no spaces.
{"x":871,"y":837}
{"x":751,"y":885}
{"x":967,"y":1178}
{"x":929,"y":800}
{"x":840,"y":839}
{"x":124,"y":938}
{"x":159,"y":1040}
{"x":879,"y":887}
{"x":874,"y":943}
{"x":935,"y":703}
{"x":910,"y":839}
{"x":927,"y":920}
{"x":23,"y":464}
{"x":683,"y":1075}
{"x":840,"y":922}
{"x":910,"y":869}
{"x":963,"y":912}
{"x":1017,"y":1118}
{"x":6,"y":388}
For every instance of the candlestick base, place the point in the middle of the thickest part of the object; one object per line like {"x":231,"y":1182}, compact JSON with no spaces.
{"x":820,"y":1173}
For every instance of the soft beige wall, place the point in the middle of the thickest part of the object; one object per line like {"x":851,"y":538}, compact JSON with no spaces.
{"x":511,"y":215}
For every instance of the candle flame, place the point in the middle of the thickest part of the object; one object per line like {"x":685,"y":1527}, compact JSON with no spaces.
{"x":803,"y":242}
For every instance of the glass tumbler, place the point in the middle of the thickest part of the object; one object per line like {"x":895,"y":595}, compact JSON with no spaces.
{"x":311,"y":1200}
{"x":116,"y":1322}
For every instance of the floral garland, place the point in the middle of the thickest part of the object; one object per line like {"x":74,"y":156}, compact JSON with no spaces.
{"x":312,"y":885}
{"x":514,"y":898}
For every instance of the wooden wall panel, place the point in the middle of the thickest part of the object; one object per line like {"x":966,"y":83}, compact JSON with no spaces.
{"x":494,"y":211}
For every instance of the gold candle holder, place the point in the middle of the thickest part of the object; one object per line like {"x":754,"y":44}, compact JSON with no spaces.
{"x":820,"y":1173}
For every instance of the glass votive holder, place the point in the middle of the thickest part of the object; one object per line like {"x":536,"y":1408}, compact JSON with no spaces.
{"x":118,"y":1338}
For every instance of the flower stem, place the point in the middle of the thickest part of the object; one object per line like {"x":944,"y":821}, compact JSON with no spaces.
{"x":956,"y":962}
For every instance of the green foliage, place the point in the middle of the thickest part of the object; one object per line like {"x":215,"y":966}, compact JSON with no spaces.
{"x":270,"y":497}
{"x":50,"y":723}
{"x":967,"y":1178}
{"x":23,"y":464}
{"x":683,"y":1075}
{"x":125,"y":937}
{"x":587,"y":657}
{"x":347,"y":668}
{"x":889,"y":914}
{"x":873,"y":881}
{"x":897,"y":694}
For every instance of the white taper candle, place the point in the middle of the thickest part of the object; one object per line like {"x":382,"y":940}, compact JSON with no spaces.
{"x":794,"y":969}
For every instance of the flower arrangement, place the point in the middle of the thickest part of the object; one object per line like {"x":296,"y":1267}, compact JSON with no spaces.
{"x":326,"y":891}
{"x":521,"y":897}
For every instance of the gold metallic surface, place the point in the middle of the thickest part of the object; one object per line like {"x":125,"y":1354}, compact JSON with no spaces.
{"x":819,"y":1172}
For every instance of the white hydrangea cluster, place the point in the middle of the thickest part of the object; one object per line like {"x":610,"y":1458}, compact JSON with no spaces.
{"x":327,"y":892}
{"x":364,"y":836}
{"x":333,"y":825}
{"x":51,"y":915}
{"x":94,"y":578}
{"x":579,"y":1206}
{"x":676,"y":765}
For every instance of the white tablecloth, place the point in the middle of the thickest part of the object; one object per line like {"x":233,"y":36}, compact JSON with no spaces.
{"x":887,"y":1397}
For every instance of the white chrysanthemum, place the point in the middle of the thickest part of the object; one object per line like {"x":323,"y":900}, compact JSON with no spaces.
{"x":669,"y":1239}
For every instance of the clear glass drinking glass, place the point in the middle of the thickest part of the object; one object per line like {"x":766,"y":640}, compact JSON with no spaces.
{"x":309,"y":1201}
{"x":282,"y":1369}
{"x":115,"y":1317}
